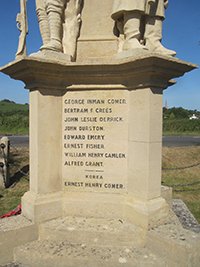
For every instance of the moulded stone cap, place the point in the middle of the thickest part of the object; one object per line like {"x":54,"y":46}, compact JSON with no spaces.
{"x":145,"y":70}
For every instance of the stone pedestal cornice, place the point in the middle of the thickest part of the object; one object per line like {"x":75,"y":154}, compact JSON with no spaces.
{"x":147,"y":70}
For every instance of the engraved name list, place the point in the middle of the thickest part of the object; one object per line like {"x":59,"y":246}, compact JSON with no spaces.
{"x":94,"y":141}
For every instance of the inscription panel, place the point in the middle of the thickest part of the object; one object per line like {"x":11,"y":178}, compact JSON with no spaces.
{"x":95,"y":135}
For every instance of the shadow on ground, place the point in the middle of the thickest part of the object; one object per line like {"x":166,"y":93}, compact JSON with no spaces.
{"x":19,"y":174}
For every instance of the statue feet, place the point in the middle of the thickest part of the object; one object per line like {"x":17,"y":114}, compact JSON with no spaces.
{"x":157,"y":47}
{"x":131,"y":48}
{"x":52,"y":55}
{"x":53,"y":45}
{"x":132,"y":44}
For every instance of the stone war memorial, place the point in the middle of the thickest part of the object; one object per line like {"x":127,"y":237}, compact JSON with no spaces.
{"x":96,"y":87}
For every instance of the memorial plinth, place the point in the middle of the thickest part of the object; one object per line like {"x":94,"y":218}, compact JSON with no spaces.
{"x":95,"y":195}
{"x":95,"y":136}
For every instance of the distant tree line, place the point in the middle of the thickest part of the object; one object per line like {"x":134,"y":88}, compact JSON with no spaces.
{"x":177,"y":120}
{"x":179,"y":113}
{"x":14,"y":118}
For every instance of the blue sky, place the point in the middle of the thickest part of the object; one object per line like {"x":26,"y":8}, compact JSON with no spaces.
{"x":181,"y":32}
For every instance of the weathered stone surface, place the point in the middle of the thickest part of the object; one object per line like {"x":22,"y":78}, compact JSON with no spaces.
{"x":51,"y":253}
{"x":93,"y":231}
{"x":15,"y":231}
{"x":22,"y":25}
{"x":90,"y":242}
{"x":96,"y":35}
{"x":59,"y":23}
{"x":177,"y":245}
{"x":137,"y":71}
{"x":186,"y":218}
{"x":4,"y":162}
{"x":138,"y":24}
{"x":12,"y":265}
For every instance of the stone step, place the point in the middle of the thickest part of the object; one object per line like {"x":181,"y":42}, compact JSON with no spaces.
{"x":15,"y":231}
{"x":50,"y":253}
{"x":179,"y":246}
{"x":93,"y":231}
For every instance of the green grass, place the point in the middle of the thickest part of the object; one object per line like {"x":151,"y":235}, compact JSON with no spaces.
{"x":181,"y":127}
{"x":10,"y":198}
{"x":185,"y":182}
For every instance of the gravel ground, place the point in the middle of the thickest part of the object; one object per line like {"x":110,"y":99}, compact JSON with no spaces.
{"x":14,"y":222}
{"x":186,"y":218}
{"x":13,"y":265}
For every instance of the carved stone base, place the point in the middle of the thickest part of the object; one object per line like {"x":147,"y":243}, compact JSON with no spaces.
{"x":48,"y":54}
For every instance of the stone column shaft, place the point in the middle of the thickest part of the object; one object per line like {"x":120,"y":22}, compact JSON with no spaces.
{"x":145,"y":143}
{"x":43,"y":201}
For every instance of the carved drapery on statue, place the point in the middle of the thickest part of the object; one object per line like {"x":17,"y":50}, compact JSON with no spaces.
{"x":139,"y":24}
{"x":59,"y":22}
{"x":22,"y":25}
